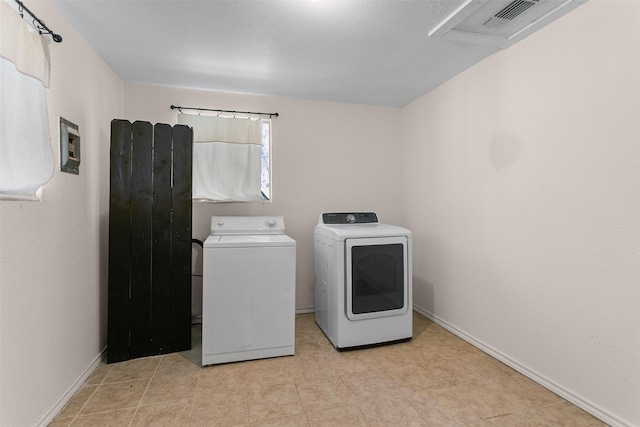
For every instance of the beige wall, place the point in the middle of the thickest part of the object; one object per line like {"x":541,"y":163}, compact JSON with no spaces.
{"x":522,"y":188}
{"x":326,"y":157}
{"x":53,"y":262}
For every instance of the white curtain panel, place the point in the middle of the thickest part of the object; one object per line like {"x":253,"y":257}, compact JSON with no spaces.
{"x":26,"y":158}
{"x":226,"y":158}
{"x":226,"y":172}
{"x":223,"y":129}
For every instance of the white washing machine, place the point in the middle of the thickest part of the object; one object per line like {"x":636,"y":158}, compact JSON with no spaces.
{"x":363,"y":280}
{"x":248,"y":298}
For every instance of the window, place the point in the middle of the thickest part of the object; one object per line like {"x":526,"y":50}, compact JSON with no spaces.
{"x":231,"y":158}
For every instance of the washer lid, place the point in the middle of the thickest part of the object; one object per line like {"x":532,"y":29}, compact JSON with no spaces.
{"x":249,"y":241}
{"x":231,"y":225}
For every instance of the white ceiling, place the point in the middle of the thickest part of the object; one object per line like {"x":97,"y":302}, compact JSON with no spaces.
{"x":365,"y":52}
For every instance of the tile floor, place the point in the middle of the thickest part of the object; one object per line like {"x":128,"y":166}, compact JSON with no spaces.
{"x":435,"y":380}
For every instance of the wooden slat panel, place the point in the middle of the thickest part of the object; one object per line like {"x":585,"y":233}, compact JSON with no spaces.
{"x":181,"y":237}
{"x":119,"y":239}
{"x":149,"y":240}
{"x":141,"y":202}
{"x":161,"y":247}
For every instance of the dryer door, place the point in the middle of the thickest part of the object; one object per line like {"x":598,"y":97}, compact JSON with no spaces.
{"x":376,"y":277}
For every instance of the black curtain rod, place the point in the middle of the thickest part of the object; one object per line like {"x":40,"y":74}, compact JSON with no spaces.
{"x":174,"y":107}
{"x":38,"y":23}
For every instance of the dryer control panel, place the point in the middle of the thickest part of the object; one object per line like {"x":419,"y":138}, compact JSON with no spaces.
{"x":350,"y":218}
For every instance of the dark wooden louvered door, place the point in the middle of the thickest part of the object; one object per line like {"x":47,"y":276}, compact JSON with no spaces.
{"x":149,"y":293}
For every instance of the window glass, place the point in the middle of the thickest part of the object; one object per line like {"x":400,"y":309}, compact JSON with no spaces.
{"x":265,"y":160}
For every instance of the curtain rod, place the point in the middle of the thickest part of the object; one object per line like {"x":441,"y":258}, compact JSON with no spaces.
{"x":38,"y":23}
{"x":174,"y":107}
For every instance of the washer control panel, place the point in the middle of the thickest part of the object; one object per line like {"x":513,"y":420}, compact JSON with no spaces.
{"x":244,"y":225}
{"x":349,"y":218}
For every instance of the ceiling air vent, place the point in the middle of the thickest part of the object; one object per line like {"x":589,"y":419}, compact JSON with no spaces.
{"x":511,"y":11}
{"x":500,"y":23}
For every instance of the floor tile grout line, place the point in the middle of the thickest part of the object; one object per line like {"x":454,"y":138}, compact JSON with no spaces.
{"x":137,"y":407}
{"x":89,"y":398}
{"x":304,"y":410}
{"x":193,"y":403}
{"x":83,"y":405}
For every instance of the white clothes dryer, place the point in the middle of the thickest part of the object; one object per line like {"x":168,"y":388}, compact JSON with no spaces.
{"x":248,"y":302}
{"x":363,"y":280}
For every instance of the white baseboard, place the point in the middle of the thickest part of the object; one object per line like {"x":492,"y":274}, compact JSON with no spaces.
{"x":582,"y":403}
{"x":58,"y":405}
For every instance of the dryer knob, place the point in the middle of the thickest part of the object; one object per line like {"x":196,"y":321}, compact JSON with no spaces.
{"x":220,"y":223}
{"x":272,"y":223}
